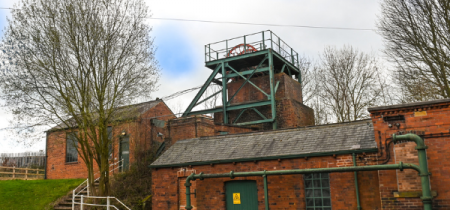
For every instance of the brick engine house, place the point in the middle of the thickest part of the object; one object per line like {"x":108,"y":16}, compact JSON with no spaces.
{"x":284,"y":161}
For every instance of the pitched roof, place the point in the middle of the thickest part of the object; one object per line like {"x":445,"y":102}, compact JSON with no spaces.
{"x":397,"y":106}
{"x":124,"y":112}
{"x":357,"y":136}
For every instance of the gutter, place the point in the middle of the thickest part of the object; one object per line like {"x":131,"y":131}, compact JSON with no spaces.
{"x":307,"y":155}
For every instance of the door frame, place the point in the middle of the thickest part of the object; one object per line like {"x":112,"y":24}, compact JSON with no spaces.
{"x":121,"y":139}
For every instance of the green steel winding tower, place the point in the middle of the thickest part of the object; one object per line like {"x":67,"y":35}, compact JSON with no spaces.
{"x":245,"y":58}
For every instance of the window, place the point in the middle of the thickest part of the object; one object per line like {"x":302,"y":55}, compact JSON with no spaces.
{"x":317,"y":191}
{"x":110,"y":134}
{"x":71,"y":147}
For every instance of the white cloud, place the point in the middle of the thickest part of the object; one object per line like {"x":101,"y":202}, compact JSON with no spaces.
{"x":308,"y":42}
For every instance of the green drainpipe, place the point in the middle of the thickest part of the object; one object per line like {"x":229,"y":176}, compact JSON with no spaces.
{"x":423,"y":166}
{"x":358,"y":201}
{"x":233,"y":174}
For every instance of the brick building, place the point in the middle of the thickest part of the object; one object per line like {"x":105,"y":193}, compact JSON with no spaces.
{"x":323,"y":146}
{"x":133,"y":127}
{"x":288,"y":162}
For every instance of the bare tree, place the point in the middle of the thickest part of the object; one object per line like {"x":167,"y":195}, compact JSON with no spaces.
{"x":417,"y":37}
{"x":350,"y":81}
{"x":73,"y":63}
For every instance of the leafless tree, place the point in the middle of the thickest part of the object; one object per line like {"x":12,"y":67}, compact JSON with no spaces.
{"x":73,"y":63}
{"x":417,"y":39}
{"x":349,"y":82}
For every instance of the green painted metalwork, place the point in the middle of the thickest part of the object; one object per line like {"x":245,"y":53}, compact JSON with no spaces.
{"x":266,"y":192}
{"x":263,"y":41}
{"x":276,"y":86}
{"x":358,"y":201}
{"x":271,"y":83}
{"x":239,"y":115}
{"x":224,"y":95}
{"x":233,"y":174}
{"x":231,"y":107}
{"x":284,"y":67}
{"x":234,"y":58}
{"x":237,"y":64}
{"x":200,"y":93}
{"x":209,"y":97}
{"x":238,"y":160}
{"x":243,"y":73}
{"x":423,"y":166}
{"x":317,"y":191}
{"x":247,"y":80}
{"x":259,"y":113}
{"x":241,"y":195}
{"x":256,"y":122}
{"x":293,"y":67}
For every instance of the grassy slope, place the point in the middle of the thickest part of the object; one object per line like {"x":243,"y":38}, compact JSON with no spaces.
{"x":33,"y":194}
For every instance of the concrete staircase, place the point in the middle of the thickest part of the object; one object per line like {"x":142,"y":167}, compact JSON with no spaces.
{"x":66,"y":202}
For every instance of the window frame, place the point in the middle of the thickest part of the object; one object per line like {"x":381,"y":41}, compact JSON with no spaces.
{"x":311,"y":189}
{"x":109,"y":131}
{"x":71,"y":136}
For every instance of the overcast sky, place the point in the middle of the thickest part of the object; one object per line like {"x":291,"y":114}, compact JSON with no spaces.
{"x":180,"y":44}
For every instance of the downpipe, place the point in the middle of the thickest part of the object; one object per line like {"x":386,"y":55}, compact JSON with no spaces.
{"x":423,"y":166}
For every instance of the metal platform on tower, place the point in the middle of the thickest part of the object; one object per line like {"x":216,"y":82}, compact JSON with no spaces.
{"x":245,"y":58}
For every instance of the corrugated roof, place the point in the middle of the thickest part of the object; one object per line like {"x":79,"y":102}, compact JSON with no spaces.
{"x":124,"y":112}
{"x":353,"y":136}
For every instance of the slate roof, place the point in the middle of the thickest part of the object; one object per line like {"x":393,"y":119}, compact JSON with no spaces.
{"x":421,"y":103}
{"x":124,"y":112}
{"x":289,"y":143}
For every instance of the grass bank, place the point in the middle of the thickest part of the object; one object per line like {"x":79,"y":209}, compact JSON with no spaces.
{"x":33,"y":194}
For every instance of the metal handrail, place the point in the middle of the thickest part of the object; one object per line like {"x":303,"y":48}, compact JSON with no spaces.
{"x":267,"y":37}
{"x":108,"y":202}
{"x":74,"y":195}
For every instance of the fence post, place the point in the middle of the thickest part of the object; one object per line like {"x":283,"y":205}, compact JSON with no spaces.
{"x":107,"y":203}
{"x":73,"y":200}
{"x":87,"y":187}
{"x":81,"y":203}
{"x":14,"y":171}
{"x":26,"y":173}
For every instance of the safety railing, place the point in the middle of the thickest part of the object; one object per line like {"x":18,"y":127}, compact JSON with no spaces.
{"x":108,"y":204}
{"x":78,"y":194}
{"x":248,"y":44}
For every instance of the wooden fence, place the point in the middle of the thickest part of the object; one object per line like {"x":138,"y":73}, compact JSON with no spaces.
{"x":23,"y":160}
{"x":21,"y":173}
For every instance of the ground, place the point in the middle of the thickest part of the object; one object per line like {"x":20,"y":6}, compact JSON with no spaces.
{"x":33,"y":194}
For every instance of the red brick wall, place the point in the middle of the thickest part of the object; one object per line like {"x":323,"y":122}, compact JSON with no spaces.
{"x":285,"y":192}
{"x":287,"y":89}
{"x":432,"y":120}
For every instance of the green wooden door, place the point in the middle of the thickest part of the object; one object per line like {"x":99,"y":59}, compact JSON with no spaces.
{"x":124,"y":153}
{"x":241,"y":195}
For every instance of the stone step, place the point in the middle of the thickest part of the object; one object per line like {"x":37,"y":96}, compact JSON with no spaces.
{"x":62,"y":207}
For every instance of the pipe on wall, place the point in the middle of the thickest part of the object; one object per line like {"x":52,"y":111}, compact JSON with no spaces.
{"x":233,"y":174}
{"x":358,"y":201}
{"x":423,"y":166}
